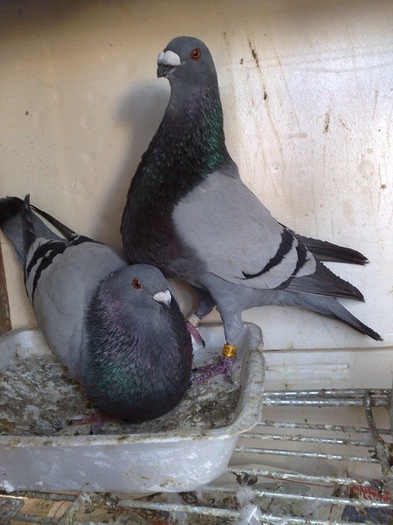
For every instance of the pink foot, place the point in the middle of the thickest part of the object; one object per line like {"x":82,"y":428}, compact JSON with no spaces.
{"x":192,"y":326}
{"x":96,"y":420}
{"x":224,"y":366}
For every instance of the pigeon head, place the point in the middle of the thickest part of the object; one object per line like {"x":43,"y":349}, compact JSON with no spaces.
{"x":141,"y":286}
{"x":188,"y":60}
{"x":193,"y":119}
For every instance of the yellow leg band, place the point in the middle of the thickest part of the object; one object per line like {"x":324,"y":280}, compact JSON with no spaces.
{"x":229,"y":351}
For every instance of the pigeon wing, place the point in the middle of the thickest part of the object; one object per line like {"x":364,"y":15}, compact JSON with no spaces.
{"x":239,"y":241}
{"x":236,"y":236}
{"x":62,"y":290}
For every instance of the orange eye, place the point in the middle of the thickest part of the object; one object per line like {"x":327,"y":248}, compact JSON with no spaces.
{"x":137,"y":284}
{"x":196,"y":53}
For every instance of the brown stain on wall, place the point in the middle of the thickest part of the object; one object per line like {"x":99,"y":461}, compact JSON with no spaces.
{"x":327,"y":121}
{"x":256,"y":60}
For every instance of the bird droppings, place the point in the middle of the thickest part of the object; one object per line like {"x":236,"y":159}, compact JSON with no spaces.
{"x":37,"y":398}
{"x":254,"y":53}
{"x":344,"y":125}
{"x":327,"y":122}
{"x":123,"y":457}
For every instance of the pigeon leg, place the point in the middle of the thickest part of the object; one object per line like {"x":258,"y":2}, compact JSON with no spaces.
{"x":192,"y":326}
{"x":205,"y":306}
{"x":96,"y":420}
{"x":233,"y":326}
{"x":206,"y":303}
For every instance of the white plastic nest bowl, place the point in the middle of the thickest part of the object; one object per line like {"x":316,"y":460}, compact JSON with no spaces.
{"x":180,"y":459}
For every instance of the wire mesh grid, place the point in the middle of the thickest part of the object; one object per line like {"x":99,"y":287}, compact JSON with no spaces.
{"x":302,"y":464}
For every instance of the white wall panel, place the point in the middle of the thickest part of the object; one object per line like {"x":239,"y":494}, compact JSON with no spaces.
{"x":307,"y":90}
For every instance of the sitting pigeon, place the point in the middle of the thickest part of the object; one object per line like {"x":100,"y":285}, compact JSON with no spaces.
{"x":189,"y":214}
{"x":117,"y":328}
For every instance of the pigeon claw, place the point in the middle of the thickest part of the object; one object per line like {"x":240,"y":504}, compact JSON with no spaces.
{"x":223,"y":367}
{"x":227,"y":363}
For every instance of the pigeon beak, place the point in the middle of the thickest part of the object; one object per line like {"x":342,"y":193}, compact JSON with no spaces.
{"x":163,"y":297}
{"x":167,"y":61}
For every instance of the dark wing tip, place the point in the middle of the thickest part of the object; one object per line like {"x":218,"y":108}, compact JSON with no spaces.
{"x":324,"y":282}
{"x":327,"y":251}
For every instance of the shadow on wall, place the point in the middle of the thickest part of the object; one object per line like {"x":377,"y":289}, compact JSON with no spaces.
{"x":140,"y":111}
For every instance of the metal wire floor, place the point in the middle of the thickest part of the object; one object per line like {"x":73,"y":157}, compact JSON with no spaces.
{"x":306,"y":462}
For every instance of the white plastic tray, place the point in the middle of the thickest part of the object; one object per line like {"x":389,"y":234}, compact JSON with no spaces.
{"x":161,"y":461}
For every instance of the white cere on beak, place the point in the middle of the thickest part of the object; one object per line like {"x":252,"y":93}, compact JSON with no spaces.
{"x":163,"y":297}
{"x":168,"y":58}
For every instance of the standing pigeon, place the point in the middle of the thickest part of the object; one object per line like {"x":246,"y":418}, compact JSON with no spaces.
{"x":117,"y":328}
{"x":189,"y":214}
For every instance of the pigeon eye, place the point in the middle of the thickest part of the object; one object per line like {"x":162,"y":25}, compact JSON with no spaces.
{"x":136,"y":284}
{"x":196,"y":53}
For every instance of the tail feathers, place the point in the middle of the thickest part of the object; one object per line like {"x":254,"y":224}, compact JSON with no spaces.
{"x":324,"y":282}
{"x":11,"y":209}
{"x":62,"y":228}
{"x":344,"y":315}
{"x":341,"y":313}
{"x":11,"y":224}
{"x":329,"y":306}
{"x":29,"y":235}
{"x":327,"y":251}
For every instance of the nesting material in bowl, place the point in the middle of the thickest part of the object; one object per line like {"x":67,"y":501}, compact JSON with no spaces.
{"x":191,"y":445}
